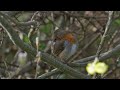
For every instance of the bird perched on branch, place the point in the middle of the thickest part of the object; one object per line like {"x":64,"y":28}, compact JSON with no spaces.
{"x":64,"y":44}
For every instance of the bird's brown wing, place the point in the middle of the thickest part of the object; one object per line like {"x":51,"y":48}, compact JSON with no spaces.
{"x":58,"y":47}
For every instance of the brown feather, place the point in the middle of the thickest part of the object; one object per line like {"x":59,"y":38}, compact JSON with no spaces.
{"x":58,"y":47}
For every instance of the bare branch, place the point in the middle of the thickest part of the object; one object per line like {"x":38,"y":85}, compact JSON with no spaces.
{"x":48,"y":74}
{"x":114,"y":52}
{"x":104,"y":35}
{"x":45,"y":57}
{"x":19,"y":23}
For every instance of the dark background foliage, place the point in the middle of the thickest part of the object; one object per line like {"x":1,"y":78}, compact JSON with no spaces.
{"x":89,"y":27}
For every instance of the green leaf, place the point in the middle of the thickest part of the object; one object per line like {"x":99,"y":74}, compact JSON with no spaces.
{"x":117,"y":21}
{"x":42,"y":46}
{"x":46,"y":28}
{"x":26,"y":39}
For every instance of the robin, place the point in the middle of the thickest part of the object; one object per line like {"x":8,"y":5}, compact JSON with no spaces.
{"x":64,"y":44}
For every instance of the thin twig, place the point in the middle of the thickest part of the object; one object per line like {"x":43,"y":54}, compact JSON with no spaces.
{"x":85,"y":47}
{"x":103,"y":56}
{"x":112,"y":38}
{"x":105,"y":33}
{"x":48,"y":74}
{"x":19,"y":23}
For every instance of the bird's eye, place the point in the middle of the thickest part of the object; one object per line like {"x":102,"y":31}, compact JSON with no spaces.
{"x":55,"y":39}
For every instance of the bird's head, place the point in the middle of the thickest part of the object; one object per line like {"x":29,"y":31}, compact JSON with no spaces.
{"x":65,"y":36}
